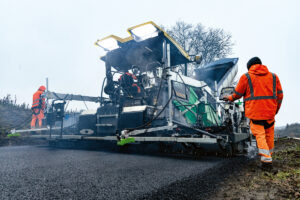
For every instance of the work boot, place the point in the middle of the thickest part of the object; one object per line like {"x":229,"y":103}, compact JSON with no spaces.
{"x":268,"y":167}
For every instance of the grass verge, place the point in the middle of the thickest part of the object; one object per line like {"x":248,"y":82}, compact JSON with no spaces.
{"x":253,"y":183}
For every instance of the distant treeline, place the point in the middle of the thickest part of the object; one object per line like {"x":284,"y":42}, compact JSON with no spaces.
{"x":291,"y":130}
{"x":12,"y":102}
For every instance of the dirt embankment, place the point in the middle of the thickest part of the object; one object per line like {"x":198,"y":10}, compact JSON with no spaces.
{"x":253,"y":183}
{"x":13,"y":116}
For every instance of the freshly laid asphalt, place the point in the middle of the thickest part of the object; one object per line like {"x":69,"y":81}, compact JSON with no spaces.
{"x":41,"y":172}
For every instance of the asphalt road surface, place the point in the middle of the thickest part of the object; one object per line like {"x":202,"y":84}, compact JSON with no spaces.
{"x":39,"y":172}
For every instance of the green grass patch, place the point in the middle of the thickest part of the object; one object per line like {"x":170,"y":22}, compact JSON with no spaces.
{"x":122,"y":142}
{"x":287,"y":153}
{"x":283,"y":175}
{"x":13,"y":135}
{"x":297,"y":171}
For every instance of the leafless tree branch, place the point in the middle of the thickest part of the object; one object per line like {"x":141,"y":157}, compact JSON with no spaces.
{"x":211,"y":43}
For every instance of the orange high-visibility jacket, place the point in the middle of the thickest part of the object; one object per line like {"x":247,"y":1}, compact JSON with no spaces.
{"x":262,"y":93}
{"x":38,"y":100}
{"x":133,"y":78}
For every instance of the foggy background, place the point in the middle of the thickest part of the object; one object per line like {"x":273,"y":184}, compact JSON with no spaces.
{"x":55,"y":39}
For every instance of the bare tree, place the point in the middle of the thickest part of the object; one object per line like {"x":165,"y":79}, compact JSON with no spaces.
{"x":211,"y":43}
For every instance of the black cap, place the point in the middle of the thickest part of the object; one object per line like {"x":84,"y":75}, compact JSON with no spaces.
{"x":253,"y":61}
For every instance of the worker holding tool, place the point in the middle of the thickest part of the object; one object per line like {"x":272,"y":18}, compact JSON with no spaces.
{"x":38,"y":106}
{"x":263,"y":95}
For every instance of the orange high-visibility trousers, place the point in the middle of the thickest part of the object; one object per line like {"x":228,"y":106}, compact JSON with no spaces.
{"x":264,"y":139}
{"x":37,"y":115}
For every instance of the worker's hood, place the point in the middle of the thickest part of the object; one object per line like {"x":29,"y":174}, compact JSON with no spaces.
{"x":259,"y":69}
{"x":42,"y":88}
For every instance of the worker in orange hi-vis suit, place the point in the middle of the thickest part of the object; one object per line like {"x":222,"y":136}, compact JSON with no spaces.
{"x":263,"y":95}
{"x":127,"y":82}
{"x":38,"y":106}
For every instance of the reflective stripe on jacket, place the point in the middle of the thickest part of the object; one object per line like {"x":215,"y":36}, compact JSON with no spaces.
{"x":37,"y":100}
{"x":262,"y":93}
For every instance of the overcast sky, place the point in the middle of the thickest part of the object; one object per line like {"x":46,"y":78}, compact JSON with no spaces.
{"x":55,"y":39}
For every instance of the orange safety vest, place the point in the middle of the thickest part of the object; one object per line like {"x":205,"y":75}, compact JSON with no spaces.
{"x":37,"y":101}
{"x":262,"y":93}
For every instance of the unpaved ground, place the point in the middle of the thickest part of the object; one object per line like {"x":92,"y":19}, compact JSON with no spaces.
{"x":253,"y":183}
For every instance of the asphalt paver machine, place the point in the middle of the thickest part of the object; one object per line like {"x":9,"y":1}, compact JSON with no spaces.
{"x":149,"y":98}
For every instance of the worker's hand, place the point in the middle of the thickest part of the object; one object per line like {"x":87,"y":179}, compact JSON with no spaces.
{"x":226,"y":98}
